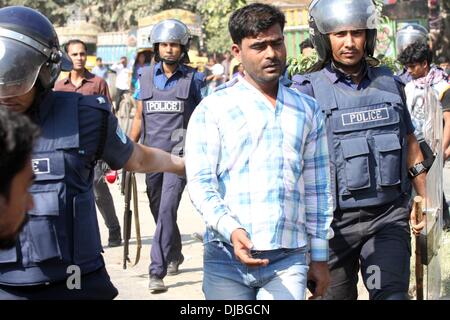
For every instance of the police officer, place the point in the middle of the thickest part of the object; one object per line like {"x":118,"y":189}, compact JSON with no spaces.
{"x":58,"y":254}
{"x":406,"y":36}
{"x":372,"y":146}
{"x":170,"y":91}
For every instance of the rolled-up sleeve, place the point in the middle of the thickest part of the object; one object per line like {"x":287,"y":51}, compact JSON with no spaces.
{"x":318,"y":198}
{"x":203,"y":147}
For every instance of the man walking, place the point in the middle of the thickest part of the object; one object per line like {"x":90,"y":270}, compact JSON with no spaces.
{"x":169,"y":92}
{"x":258,"y":171}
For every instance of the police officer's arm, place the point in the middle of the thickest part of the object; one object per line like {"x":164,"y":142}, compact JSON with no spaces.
{"x":120,"y":152}
{"x":146,"y":159}
{"x":419,"y":182}
{"x":135,"y":132}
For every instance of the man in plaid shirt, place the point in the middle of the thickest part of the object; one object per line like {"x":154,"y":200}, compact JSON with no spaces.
{"x":258,"y":171}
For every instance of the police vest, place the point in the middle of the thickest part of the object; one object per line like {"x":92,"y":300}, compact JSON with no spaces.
{"x":62,"y":230}
{"x":166,"y":113}
{"x":367,"y":139}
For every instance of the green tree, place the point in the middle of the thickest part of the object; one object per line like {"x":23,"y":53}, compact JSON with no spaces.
{"x":215,"y":15}
{"x":52,"y":9}
{"x":119,"y":15}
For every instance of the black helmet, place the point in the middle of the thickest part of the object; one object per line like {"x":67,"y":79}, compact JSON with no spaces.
{"x":173,"y":31}
{"x":29,"y":49}
{"x":327,"y":16}
{"x":408,"y":35}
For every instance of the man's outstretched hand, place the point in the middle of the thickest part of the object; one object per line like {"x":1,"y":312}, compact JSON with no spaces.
{"x":242,"y":246}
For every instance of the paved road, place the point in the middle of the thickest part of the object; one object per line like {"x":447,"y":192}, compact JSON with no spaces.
{"x":133,"y":282}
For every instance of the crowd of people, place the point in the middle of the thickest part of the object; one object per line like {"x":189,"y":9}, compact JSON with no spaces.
{"x":302,"y":183}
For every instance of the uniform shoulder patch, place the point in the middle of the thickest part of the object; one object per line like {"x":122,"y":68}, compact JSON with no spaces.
{"x":96,"y":101}
{"x":121,"y":135}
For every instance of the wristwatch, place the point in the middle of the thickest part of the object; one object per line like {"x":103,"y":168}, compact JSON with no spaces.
{"x":417,"y":169}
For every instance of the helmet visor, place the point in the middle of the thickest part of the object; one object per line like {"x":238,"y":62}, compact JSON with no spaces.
{"x":19,"y":67}
{"x":342,"y":15}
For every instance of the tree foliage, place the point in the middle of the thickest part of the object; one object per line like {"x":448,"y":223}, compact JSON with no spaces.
{"x":215,"y":16}
{"x":119,"y":15}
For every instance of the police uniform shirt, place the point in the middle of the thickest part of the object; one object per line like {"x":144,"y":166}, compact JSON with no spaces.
{"x":117,"y":148}
{"x":163,"y":83}
{"x":339,"y":79}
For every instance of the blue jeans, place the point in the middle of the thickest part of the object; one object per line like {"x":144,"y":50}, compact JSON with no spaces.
{"x":225,"y":278}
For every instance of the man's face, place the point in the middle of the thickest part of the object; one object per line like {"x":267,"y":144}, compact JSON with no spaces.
{"x":124,"y":62}
{"x":77,"y":54}
{"x":307,"y":52}
{"x":13,"y":210}
{"x":418,"y":69}
{"x":170,"y":51}
{"x":263,"y":56}
{"x":348,"y":46}
{"x":20,"y":103}
{"x":99,"y":63}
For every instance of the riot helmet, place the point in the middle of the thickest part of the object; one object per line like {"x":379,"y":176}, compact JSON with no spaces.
{"x":329,"y":16}
{"x":29,"y":50}
{"x":408,"y":35}
{"x":171,"y":31}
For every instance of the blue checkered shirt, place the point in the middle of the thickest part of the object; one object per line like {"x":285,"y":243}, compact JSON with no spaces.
{"x":263,"y":169}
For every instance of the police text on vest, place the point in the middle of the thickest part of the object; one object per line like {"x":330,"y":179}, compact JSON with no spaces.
{"x":365,"y":116}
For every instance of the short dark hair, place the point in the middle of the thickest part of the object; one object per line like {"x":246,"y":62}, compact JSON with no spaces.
{"x":416,"y":52}
{"x":99,"y":59}
{"x":253,"y":19}
{"x":17,"y":134}
{"x":74,"y":41}
{"x":307,"y":43}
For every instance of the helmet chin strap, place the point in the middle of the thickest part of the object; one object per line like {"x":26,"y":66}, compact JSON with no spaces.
{"x":173,"y":62}
{"x":170,"y":62}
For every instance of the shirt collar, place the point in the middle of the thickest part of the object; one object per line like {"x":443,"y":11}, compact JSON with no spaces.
{"x":336,"y":75}
{"x":180,"y":68}
{"x":88,"y":77}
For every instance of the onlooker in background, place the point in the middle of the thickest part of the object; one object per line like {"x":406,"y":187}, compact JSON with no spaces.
{"x":306,"y":48}
{"x":239,"y":71}
{"x":417,"y":60}
{"x":444,"y":64}
{"x":100,"y":70}
{"x":406,"y":36}
{"x":122,"y":80}
{"x":214,"y":73}
{"x":142,"y":59}
{"x":17,"y":133}
{"x":82,"y":81}
{"x":226,"y":63}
